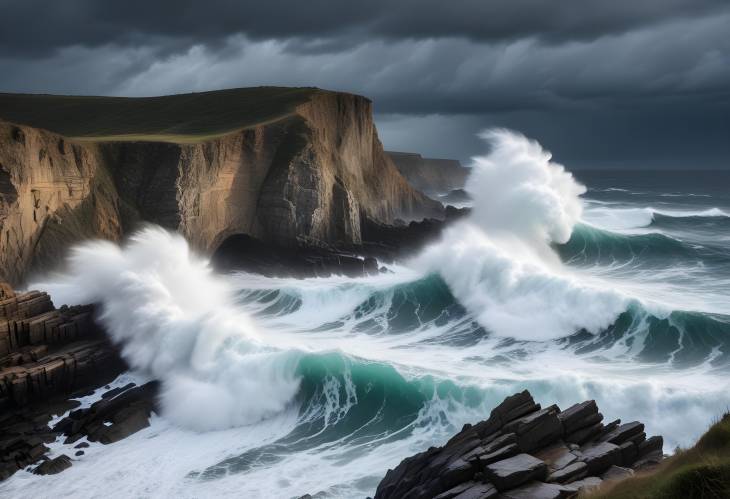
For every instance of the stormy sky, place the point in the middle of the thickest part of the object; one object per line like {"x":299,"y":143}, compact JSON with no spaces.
{"x":621,"y":83}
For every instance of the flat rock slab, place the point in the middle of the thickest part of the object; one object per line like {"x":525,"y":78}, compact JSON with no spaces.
{"x":569,"y":473}
{"x":537,"y":490}
{"x":513,"y":472}
{"x":601,"y":456}
{"x":470,"y":490}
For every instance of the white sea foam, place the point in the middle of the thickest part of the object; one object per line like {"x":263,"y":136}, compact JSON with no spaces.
{"x":220,"y":369}
{"x":625,"y":219}
{"x":178,"y":323}
{"x":499,"y":262}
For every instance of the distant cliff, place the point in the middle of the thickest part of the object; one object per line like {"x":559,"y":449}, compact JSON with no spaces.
{"x":290,"y":166}
{"x":432,"y":176}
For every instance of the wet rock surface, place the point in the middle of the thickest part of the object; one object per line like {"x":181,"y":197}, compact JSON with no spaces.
{"x":382,"y":242}
{"x":524,"y":451}
{"x":48,"y":358}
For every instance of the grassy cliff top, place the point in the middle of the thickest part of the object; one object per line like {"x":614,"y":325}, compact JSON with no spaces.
{"x":172,"y":118}
{"x":701,"y":472}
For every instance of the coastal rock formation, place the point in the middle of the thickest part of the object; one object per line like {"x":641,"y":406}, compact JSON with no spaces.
{"x":382,"y":241}
{"x":430,"y":175}
{"x":286,"y":166}
{"x":524,"y":451}
{"x":46,"y":354}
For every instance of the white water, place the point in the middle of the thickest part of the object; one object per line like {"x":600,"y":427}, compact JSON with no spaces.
{"x":177,"y":323}
{"x":228,"y":371}
{"x":624,"y":219}
{"x":499,"y":262}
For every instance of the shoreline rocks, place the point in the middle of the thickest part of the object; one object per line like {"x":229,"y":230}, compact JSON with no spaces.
{"x":49,"y":356}
{"x":523,"y":451}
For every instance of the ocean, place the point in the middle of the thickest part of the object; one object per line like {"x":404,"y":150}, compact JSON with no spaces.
{"x":606,"y":285}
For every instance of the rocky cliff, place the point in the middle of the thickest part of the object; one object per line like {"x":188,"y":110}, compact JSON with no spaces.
{"x":430,"y":175}
{"x":289,"y":166}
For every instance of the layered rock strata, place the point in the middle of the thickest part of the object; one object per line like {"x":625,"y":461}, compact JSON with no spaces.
{"x":46,"y":355}
{"x":307,"y":175}
{"x":524,"y":451}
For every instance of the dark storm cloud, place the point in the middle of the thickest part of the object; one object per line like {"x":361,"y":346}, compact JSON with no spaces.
{"x":600,"y":82}
{"x":37,"y":27}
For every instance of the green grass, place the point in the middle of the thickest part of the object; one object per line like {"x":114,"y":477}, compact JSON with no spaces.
{"x":702,"y":472}
{"x":173,"y":118}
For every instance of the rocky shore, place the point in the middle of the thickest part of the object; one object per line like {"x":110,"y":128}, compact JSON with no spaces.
{"x":52,"y":357}
{"x":380,"y":242}
{"x":49,"y":357}
{"x":524,"y":451}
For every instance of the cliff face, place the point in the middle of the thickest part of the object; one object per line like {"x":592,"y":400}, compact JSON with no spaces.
{"x":307,"y":176}
{"x":430,"y":175}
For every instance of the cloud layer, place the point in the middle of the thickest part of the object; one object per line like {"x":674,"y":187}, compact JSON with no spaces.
{"x":600,"y":83}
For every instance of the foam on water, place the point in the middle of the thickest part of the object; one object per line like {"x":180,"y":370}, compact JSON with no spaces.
{"x":281,"y":387}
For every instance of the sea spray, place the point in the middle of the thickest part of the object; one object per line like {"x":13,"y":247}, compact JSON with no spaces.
{"x":500,"y":262}
{"x":178,"y":323}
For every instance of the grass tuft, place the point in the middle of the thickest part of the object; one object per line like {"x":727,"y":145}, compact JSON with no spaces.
{"x":701,"y":472}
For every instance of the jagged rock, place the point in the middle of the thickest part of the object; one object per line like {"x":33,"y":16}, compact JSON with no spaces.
{"x":651,"y":445}
{"x":537,"y":429}
{"x":578,"y":416}
{"x":111,"y":419}
{"x":601,"y":456}
{"x":515,"y":406}
{"x":571,"y":472}
{"x":624,"y":432}
{"x":584,"y":435}
{"x":53,"y":466}
{"x":515,"y":471}
{"x":488,"y":452}
{"x":479,"y":460}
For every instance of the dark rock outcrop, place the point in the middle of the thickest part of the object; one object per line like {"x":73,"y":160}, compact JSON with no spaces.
{"x":295,"y":167}
{"x":521,"y":451}
{"x":46,"y":356}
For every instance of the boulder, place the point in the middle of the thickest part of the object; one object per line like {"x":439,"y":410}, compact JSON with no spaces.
{"x":514,"y":471}
{"x":536,"y":429}
{"x":53,"y":466}
{"x":599,"y":457}
{"x":651,"y":445}
{"x":578,"y":416}
{"x":515,"y":406}
{"x":624,"y":432}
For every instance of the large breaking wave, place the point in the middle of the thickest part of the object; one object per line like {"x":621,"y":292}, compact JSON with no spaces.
{"x":322,"y":384}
